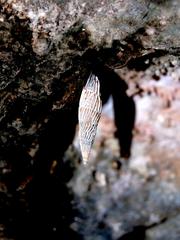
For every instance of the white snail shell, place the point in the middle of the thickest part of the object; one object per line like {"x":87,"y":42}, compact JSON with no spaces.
{"x":90,"y":107}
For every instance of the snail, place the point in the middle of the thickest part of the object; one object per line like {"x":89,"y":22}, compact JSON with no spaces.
{"x":89,"y":112}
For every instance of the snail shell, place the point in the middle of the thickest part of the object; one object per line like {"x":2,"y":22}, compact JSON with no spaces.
{"x":90,"y":107}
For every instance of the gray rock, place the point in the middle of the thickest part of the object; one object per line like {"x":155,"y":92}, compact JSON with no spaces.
{"x":47,"y":50}
{"x":168,"y":230}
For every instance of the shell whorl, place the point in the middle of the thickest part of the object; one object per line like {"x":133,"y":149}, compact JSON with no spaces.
{"x":90,"y":107}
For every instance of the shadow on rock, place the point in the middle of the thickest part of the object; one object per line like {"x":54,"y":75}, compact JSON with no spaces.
{"x":124,"y":107}
{"x":43,"y":209}
{"x":138,"y":232}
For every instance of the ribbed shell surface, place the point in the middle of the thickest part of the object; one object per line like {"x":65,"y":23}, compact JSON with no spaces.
{"x":90,"y":107}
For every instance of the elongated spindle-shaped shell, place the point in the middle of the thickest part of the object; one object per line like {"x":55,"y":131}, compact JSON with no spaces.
{"x":90,"y":107}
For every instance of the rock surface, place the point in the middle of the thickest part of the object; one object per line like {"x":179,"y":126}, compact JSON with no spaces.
{"x":47,"y":50}
{"x":140,"y":196}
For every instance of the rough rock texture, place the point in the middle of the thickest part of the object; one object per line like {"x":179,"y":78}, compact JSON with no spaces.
{"x":47,"y":50}
{"x":138,"y":199}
